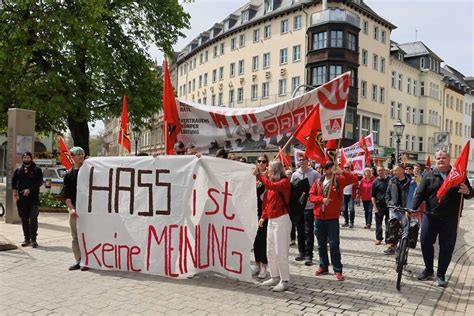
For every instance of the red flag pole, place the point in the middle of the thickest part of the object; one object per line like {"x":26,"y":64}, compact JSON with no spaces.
{"x":165,"y":134}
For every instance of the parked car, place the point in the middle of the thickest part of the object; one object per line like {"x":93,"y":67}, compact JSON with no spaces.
{"x":53,"y":178}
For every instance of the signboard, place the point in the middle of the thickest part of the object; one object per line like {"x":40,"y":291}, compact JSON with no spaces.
{"x":173,"y":216}
{"x":441,"y":140}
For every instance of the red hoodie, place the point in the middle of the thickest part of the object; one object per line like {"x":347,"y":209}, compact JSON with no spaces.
{"x":365,"y":189}
{"x":333,"y":209}
{"x":273,"y":204}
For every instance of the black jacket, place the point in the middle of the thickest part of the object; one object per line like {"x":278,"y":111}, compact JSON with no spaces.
{"x":379,"y":188}
{"x":69,"y":190}
{"x":449,"y":204}
{"x":31,"y":178}
{"x":397,"y":192}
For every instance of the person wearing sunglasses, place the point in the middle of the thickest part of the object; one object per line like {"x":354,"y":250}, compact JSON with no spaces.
{"x":275,"y":208}
{"x":260,"y":243}
{"x":326,"y":194}
{"x":179,"y":148}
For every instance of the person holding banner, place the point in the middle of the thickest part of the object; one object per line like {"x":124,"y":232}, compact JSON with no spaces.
{"x":442,"y":212}
{"x":275,"y":209}
{"x":69,"y":193}
{"x":260,"y":243}
{"x":326,"y":194}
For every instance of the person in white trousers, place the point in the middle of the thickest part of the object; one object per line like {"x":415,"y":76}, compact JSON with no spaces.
{"x":275,"y":209}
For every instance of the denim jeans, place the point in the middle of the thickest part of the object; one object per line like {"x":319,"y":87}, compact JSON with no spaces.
{"x":368,"y":212}
{"x":328,"y":230}
{"x":349,"y":213}
{"x":305,"y":229}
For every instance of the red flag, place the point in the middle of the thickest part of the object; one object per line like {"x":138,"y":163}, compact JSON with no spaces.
{"x":378,"y":163}
{"x":331,"y":147}
{"x":457,"y":175}
{"x":428,"y":162}
{"x":343,"y":158}
{"x":285,"y":158}
{"x":170,"y":112}
{"x":66,"y":159}
{"x":310,"y":135}
{"x":124,"y":133}
{"x":363,"y":145}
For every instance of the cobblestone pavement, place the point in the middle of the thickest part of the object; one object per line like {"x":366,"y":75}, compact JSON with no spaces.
{"x":36,"y":281}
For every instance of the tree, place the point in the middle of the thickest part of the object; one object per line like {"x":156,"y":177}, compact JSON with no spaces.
{"x":73,"y":60}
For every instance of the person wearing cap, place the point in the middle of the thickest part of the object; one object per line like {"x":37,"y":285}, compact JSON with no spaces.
{"x":326,"y":195}
{"x":70,"y":192}
{"x":26,"y":182}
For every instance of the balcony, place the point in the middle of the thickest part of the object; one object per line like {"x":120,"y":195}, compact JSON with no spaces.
{"x":334,"y":15}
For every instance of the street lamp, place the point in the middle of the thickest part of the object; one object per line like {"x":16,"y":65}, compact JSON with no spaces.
{"x":136,"y":136}
{"x":399,"y":127}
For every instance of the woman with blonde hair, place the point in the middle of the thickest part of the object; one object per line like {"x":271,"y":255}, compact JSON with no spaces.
{"x":275,"y":209}
{"x":365,"y":192}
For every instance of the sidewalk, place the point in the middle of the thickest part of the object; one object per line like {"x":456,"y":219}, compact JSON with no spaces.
{"x":37,"y":281}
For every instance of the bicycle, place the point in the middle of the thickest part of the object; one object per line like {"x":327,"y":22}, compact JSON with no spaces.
{"x":403,"y":245}
{"x":2,"y":209}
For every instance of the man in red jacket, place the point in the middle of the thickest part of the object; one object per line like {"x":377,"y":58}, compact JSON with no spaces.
{"x":326,"y":194}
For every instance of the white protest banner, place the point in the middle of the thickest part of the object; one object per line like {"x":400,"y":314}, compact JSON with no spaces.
{"x":358,"y":163}
{"x":210,"y":128}
{"x":355,"y":149}
{"x":173,"y":216}
{"x":296,"y":154}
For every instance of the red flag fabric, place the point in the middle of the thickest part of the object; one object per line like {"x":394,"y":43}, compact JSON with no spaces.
{"x":343,"y":158}
{"x":124,"y":133}
{"x":457,"y":175}
{"x":170,"y":112}
{"x":285,"y":158}
{"x":310,"y":135}
{"x":363,"y":145}
{"x":331,"y":147}
{"x":428,"y":162}
{"x":65,"y":156}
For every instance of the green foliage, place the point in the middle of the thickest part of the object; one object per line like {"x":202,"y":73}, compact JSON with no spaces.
{"x":76,"y":59}
{"x":47,"y":199}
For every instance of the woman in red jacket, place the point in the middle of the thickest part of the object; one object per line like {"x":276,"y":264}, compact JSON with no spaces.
{"x":275,"y":209}
{"x":326,"y":194}
{"x":365,"y":191}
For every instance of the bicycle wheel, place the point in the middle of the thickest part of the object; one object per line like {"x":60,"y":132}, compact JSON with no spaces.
{"x":401,"y":260}
{"x":2,"y":210}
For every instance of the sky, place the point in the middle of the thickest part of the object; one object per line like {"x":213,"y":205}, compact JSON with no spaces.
{"x":446,"y":27}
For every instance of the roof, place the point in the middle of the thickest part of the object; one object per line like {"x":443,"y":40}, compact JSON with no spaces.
{"x":454,"y":77}
{"x":417,"y":49}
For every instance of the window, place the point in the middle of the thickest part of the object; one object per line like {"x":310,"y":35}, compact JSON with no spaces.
{"x":413,"y":115}
{"x":231,"y":97}
{"x":215,"y":51}
{"x":383,"y":37}
{"x":319,"y":75}
{"x":413,"y":140}
{"x":214,"y":75}
{"x":336,"y":38}
{"x":200,"y":59}
{"x":408,"y":114}
{"x":200,"y":81}
{"x":254,"y":92}
{"x":376,"y":130}
{"x":392,"y":109}
{"x":374,"y":92}
{"x":256,"y":35}
{"x":213,"y":100}
{"x":219,"y":99}
{"x":375,"y":63}
{"x":365,"y":126}
{"x":407,"y":142}
{"x":284,"y":26}
{"x":222,"y":48}
{"x":382,"y":64}
{"x":365,"y":27}
{"x":241,"y":67}
{"x":382,"y":95}
{"x":205,"y":79}
{"x":353,"y":72}
{"x":376,"y":33}
{"x":297,"y":22}
{"x":400,"y":82}
{"x":245,"y":16}
{"x":363,"y":88}
{"x":265,"y":89}
{"x":282,"y":87}
{"x":334,"y":71}
{"x":240,"y":95}
{"x":266,"y":60}
{"x":394,"y":79}
{"x":194,"y":84}
{"x":351,"y":42}
{"x":415,"y":87}
{"x":283,"y":56}
{"x":206,"y":56}
{"x":422,"y":62}
{"x":296,"y":53}
{"x":364,"y":57}
{"x":295,"y":82}
{"x":409,"y":85}
{"x":399,"y":111}
{"x":267,"y":31}
{"x":232,"y":70}
{"x":319,"y":40}
{"x":204,"y":100}
{"x":420,"y":144}
{"x":242,"y":40}
{"x":221,"y":73}
{"x":421,"y":117}
{"x":392,"y":137}
{"x":254,"y":63}
{"x":422,"y":88}
{"x":268,"y":6}
{"x":233,"y":43}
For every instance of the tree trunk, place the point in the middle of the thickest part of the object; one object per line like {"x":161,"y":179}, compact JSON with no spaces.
{"x":79,"y":133}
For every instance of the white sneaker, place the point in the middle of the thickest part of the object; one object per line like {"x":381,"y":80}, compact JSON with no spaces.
{"x":263,"y":273}
{"x":280,"y":287}
{"x":255,"y":270}
{"x":270,"y":282}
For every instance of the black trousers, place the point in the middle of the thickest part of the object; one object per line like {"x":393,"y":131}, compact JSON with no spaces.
{"x":305,"y":228}
{"x":28,"y":212}
{"x":260,"y":244}
{"x":380,"y":217}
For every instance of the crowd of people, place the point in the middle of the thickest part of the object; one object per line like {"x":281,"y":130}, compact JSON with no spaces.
{"x":306,"y":202}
